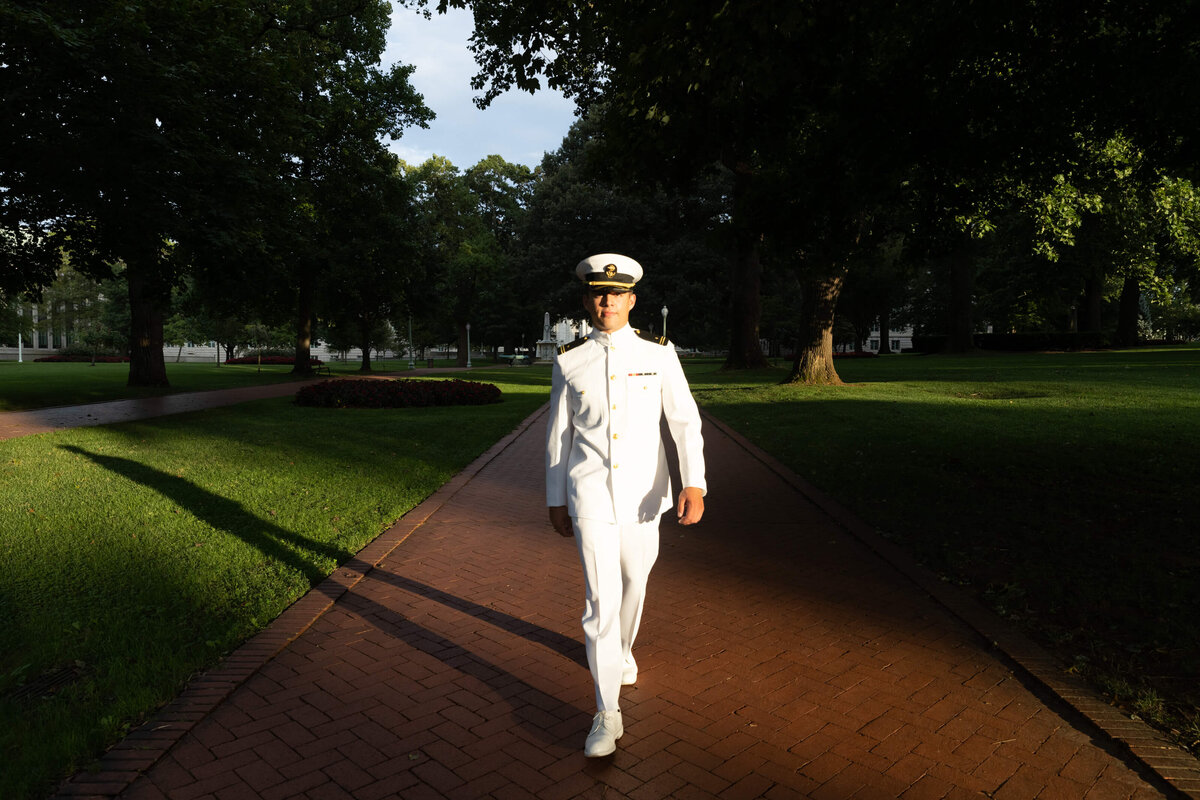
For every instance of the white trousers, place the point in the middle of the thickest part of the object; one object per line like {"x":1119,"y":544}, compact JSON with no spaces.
{"x":616,"y":563}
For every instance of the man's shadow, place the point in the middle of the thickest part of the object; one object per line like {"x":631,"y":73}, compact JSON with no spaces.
{"x":529,"y":703}
{"x":224,"y":514}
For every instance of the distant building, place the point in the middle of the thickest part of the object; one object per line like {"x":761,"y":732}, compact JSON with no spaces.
{"x":899,"y":340}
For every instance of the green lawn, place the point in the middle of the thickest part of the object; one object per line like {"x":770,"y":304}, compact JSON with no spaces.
{"x":30,"y":384}
{"x":1062,"y":488}
{"x":134,"y":555}
{"x":39,"y":385}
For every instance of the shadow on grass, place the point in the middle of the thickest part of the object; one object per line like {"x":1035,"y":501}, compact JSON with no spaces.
{"x":223,"y":514}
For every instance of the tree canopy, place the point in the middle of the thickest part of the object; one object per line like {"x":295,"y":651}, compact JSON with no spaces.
{"x":161,"y":132}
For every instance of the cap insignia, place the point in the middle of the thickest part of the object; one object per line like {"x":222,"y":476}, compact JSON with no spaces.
{"x":610,"y":270}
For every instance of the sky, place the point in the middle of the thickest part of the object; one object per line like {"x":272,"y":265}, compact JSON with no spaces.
{"x":518,"y":126}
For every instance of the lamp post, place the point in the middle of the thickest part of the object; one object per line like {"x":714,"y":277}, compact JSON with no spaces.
{"x":664,"y":313}
{"x":20,"y":337}
{"x":468,"y":345}
{"x":411,"y":364}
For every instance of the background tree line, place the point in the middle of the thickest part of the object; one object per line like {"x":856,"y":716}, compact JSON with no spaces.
{"x":777,"y":167}
{"x":921,"y":141}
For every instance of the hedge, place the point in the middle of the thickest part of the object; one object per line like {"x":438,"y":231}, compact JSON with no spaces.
{"x":1020,"y":342}
{"x":396,"y":393}
{"x":276,"y":360}
{"x":83,"y":359}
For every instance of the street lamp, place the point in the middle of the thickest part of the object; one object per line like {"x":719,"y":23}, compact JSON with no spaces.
{"x":664,"y":313}
{"x":411,"y":364}
{"x":468,"y":345}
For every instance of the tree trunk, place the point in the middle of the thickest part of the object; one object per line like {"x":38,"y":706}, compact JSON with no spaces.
{"x":814,"y":349}
{"x":962,"y":289}
{"x":304,"y":316}
{"x":462,"y":356}
{"x":745,"y":350}
{"x":365,"y":345}
{"x":885,"y":332}
{"x":147,"y":367}
{"x":1093,"y":302}
{"x":1127,"y":316}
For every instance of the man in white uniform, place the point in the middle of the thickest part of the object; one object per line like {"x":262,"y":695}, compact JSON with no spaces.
{"x":607,"y":480}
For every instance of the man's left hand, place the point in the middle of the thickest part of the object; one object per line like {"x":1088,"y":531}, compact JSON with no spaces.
{"x":691,"y":506}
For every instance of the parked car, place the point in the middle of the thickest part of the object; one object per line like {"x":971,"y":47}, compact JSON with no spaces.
{"x":517,"y":359}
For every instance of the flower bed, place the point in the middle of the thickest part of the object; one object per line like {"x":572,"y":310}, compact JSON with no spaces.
{"x":399,"y":393}
{"x":279,"y":360}
{"x":84,"y":359}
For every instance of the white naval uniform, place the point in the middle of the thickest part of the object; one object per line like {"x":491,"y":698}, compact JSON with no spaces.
{"x":606,"y":462}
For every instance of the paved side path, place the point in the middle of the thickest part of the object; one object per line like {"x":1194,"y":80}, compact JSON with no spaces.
{"x":44,"y":420}
{"x":779,"y":657}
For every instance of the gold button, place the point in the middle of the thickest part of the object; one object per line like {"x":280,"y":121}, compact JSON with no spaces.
{"x":612,"y":377}
{"x":614,"y":408}
{"x":616,"y":465}
{"x":615,"y":436}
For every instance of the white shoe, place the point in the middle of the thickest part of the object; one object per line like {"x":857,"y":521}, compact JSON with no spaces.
{"x":602,"y":739}
{"x":629,"y":671}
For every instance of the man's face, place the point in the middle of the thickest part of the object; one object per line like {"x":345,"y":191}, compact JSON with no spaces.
{"x":609,"y":311}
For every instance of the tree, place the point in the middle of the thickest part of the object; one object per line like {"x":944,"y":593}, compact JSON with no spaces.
{"x":347,"y":208}
{"x":467,"y":223}
{"x":124,"y":111}
{"x":820,"y":115}
{"x":588,"y":201}
{"x":502,"y":193}
{"x":369,"y":254}
{"x":13,"y":321}
{"x":263,"y":338}
{"x":158,"y":133}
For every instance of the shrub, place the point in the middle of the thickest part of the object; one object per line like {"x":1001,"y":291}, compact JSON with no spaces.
{"x":278,"y":360}
{"x":85,"y":359}
{"x":1039,"y":341}
{"x":397,"y":393}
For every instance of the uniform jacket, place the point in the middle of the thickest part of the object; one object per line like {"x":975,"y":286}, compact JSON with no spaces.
{"x":605,"y":458}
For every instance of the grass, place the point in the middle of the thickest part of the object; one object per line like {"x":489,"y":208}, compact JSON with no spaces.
{"x":134,"y":555}
{"x":30,"y":385}
{"x":1061,"y":488}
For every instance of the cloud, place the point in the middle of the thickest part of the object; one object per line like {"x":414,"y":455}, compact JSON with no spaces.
{"x":518,"y":126}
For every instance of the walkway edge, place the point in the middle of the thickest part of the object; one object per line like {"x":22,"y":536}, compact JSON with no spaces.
{"x":143,"y":747}
{"x":1175,"y":767}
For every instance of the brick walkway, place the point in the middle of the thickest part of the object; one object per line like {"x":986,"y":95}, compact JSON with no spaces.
{"x":779,"y":657}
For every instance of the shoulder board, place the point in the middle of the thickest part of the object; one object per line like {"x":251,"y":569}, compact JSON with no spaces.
{"x":650,"y":337}
{"x":572,"y":345}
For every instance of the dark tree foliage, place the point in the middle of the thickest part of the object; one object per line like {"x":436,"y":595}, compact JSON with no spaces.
{"x":588,"y":202}
{"x":161,"y":134}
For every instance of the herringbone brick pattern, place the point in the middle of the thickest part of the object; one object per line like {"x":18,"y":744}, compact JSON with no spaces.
{"x":779,"y":658}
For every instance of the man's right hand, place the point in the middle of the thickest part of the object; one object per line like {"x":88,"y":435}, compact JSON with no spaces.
{"x":560,"y":520}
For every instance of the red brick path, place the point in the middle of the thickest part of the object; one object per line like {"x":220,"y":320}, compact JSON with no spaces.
{"x":779,"y":657}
